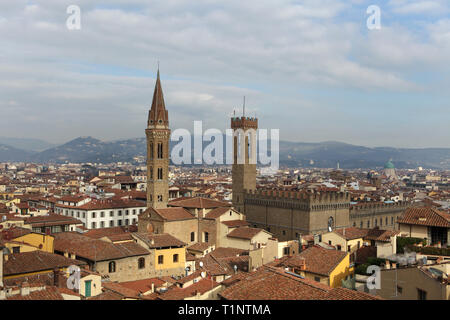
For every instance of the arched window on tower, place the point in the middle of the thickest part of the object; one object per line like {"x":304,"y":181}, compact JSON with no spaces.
{"x":160,"y":173}
{"x":160,"y":150}
{"x":151,"y":150}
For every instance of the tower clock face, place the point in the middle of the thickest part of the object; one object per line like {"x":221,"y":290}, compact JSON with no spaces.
{"x":330,"y":223}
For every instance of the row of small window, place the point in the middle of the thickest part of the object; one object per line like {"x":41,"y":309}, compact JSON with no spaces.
{"x":361,"y":224}
{"x":205,"y":236}
{"x":111,"y":223}
{"x":141,"y":262}
{"x":102,"y":213}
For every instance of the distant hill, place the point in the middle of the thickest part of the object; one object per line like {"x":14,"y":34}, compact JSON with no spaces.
{"x":294,"y":154}
{"x":8,"y":153}
{"x":26,"y":144}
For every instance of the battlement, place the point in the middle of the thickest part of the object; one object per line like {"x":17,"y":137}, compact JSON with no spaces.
{"x":310,"y":196}
{"x":379,"y":205}
{"x":244,"y":123}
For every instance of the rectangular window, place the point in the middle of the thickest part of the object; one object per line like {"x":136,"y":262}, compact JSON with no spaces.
{"x":111,"y":223}
{"x":175,"y":258}
{"x":399,"y":290}
{"x":120,"y":213}
{"x":102,"y":214}
{"x":160,"y":259}
{"x":317,"y":279}
{"x":16,"y":249}
{"x":111,"y":213}
{"x":421,"y":294}
{"x":84,"y":215}
{"x":102,"y":224}
{"x":127,"y":212}
{"x":93,"y":214}
{"x":93,"y":225}
{"x":119,"y":222}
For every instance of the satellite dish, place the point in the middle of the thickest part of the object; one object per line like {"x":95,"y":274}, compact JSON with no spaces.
{"x":200,"y":264}
{"x":235,"y":268}
{"x":329,"y":229}
{"x":203,"y":274}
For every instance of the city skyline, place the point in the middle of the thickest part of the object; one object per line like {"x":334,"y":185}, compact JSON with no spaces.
{"x":318,"y":75}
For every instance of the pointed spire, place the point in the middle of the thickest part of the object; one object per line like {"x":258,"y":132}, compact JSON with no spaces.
{"x":158,"y":113}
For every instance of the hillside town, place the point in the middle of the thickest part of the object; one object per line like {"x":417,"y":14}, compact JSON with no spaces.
{"x":151,"y":230}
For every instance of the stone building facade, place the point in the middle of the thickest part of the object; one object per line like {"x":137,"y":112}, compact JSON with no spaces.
{"x":383,"y":215}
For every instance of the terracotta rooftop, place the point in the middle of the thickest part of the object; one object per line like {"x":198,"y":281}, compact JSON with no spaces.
{"x":317,"y":260}
{"x":172,"y":214}
{"x":199,"y":203}
{"x":51,"y":220}
{"x":236,"y":223}
{"x":35,"y":261}
{"x":158,"y":241}
{"x":96,"y":250}
{"x":351,"y":233}
{"x":217,"y":212}
{"x":49,"y":293}
{"x":425,"y":216}
{"x":244,"y":233}
{"x":269,"y":283}
{"x":143,"y":285}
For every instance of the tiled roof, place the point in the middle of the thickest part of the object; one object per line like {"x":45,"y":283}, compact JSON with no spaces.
{"x":118,"y":288}
{"x":317,"y":260}
{"x":163,"y":240}
{"x":269,"y":283}
{"x":199,"y":202}
{"x":217,"y":212}
{"x":351,"y":233}
{"x":244,"y":233}
{"x":14,"y":232}
{"x":107,"y":204}
{"x":202,"y":286}
{"x":49,"y":293}
{"x":222,"y":252}
{"x":34,"y":261}
{"x":199,"y":246}
{"x":51,"y":220}
{"x":172,"y":214}
{"x":96,"y":250}
{"x":425,"y":216}
{"x":143,"y":285}
{"x":235,"y":223}
{"x":106,"y":232}
{"x":381,"y":235}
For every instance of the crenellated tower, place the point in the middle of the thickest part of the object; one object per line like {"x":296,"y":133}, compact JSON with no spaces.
{"x":244,"y":169}
{"x":158,"y":137}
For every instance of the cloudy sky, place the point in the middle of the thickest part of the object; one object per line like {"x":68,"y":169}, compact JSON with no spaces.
{"x":308,"y":67}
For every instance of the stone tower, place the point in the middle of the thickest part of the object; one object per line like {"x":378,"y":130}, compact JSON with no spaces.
{"x":158,"y":136}
{"x":244,"y":171}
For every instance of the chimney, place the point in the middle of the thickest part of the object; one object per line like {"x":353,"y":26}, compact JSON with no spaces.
{"x":56,"y":277}
{"x":387,"y":264}
{"x":24,"y":289}
{"x":394,"y":265}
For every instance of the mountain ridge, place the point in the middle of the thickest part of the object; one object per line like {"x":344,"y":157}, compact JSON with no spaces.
{"x":295,"y":154}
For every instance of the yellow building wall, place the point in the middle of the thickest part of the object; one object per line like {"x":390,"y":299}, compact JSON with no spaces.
{"x":168,"y":258}
{"x":36,"y":239}
{"x":341,"y":272}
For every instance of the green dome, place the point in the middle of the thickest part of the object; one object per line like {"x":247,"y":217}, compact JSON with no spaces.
{"x":389,"y":165}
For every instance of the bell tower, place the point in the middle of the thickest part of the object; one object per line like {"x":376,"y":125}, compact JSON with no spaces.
{"x":158,"y":137}
{"x":243,"y":169}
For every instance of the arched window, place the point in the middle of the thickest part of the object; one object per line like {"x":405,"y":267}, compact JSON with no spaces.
{"x":112,"y":267}
{"x":141,"y":263}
